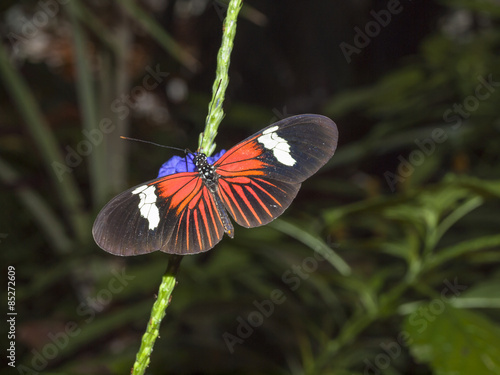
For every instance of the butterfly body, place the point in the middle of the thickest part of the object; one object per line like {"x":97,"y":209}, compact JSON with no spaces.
{"x":206,"y":171}
{"x":253,"y":182}
{"x":210,"y":178}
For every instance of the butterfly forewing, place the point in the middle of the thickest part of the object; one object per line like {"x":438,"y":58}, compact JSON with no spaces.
{"x":260,"y":177}
{"x":174,"y":214}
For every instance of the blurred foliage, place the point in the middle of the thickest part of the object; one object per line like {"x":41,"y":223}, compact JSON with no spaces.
{"x":387,"y":262}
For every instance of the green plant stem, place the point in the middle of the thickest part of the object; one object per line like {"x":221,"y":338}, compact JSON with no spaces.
{"x":215,"y":111}
{"x":157,"y":313}
{"x":207,"y":145}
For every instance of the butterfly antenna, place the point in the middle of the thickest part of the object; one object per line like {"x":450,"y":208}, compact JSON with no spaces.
{"x":185,"y":150}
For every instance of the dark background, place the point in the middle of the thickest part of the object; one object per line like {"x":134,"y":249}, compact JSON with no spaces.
{"x":406,"y":212}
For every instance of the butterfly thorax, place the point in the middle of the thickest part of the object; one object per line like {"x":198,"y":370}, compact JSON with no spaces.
{"x":206,"y":171}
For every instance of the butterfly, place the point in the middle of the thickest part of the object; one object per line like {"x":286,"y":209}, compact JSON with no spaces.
{"x":254,"y":182}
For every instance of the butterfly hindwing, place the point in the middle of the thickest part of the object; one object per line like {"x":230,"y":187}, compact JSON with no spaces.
{"x":199,"y":227}
{"x":260,"y":176}
{"x":255,"y":201}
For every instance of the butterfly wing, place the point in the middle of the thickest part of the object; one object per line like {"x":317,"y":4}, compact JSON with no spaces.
{"x":260,"y":176}
{"x":175,"y":214}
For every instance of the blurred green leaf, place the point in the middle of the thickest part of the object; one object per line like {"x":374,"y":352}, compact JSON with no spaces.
{"x":487,"y":6}
{"x":455,"y":341}
{"x":45,"y":140}
{"x":314,"y":243}
{"x":462,"y":248}
{"x":481,"y":295}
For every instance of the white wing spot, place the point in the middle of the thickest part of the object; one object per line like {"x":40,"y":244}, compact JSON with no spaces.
{"x":147,"y":205}
{"x":279,"y":146}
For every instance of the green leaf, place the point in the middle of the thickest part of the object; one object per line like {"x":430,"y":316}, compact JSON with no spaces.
{"x":482,"y":295}
{"x":485,"y":188}
{"x":314,"y":243}
{"x":453,"y":341}
{"x":486,"y":6}
{"x":464,"y":247}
